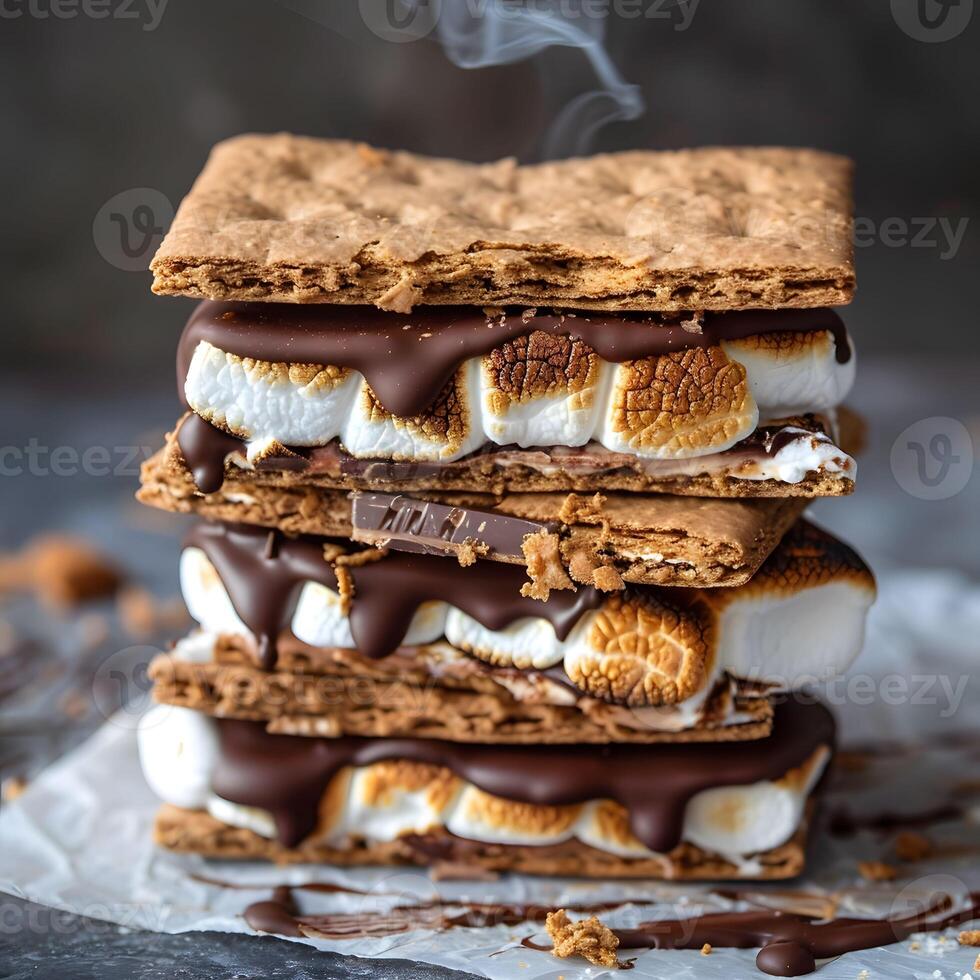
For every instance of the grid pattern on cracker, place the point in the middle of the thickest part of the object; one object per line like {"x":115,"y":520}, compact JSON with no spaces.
{"x":296,"y":219}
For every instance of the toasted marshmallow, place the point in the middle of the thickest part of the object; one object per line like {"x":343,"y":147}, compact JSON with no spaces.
{"x":448,"y":429}
{"x":639,"y":650}
{"x":524,"y":643}
{"x":252,"y":818}
{"x":178,"y":750}
{"x":480,"y":816}
{"x":389,"y":799}
{"x":320,"y":620}
{"x":540,"y":390}
{"x":691,"y":403}
{"x":793,"y":373}
{"x":294,"y":404}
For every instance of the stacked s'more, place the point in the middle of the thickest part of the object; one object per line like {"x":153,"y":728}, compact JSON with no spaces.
{"x":499,"y":473}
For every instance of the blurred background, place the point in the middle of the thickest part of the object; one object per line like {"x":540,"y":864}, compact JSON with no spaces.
{"x":111,"y":107}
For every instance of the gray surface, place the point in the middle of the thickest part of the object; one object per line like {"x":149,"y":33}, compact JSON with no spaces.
{"x":38,"y":942}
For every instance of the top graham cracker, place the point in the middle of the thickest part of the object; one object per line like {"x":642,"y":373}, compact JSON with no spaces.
{"x":294,"y":219}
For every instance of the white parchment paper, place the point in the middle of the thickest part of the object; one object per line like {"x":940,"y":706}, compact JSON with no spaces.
{"x":79,"y":838}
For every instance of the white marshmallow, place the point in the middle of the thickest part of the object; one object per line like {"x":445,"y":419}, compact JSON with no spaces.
{"x":252,"y":818}
{"x":814,"y":453}
{"x":788,"y":640}
{"x":178,"y":750}
{"x":205,"y":595}
{"x":259,"y":404}
{"x":371,"y":434}
{"x":808,"y":380}
{"x":524,"y":643}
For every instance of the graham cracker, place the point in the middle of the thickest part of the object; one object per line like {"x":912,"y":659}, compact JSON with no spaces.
{"x":301,"y":220}
{"x":330,"y":692}
{"x":197,"y":832}
{"x":651,"y":539}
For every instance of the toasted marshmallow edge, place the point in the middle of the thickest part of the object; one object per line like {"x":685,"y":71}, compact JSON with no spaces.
{"x":270,"y":404}
{"x":179,"y":749}
{"x":791,"y":640}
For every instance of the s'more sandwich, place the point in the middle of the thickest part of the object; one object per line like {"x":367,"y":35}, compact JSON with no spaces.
{"x":499,"y":474}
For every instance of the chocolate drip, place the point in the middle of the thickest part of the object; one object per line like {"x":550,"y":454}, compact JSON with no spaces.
{"x":790,"y":943}
{"x":204,"y":449}
{"x":263,"y":572}
{"x":288,"y":774}
{"x":408,"y":358}
{"x":277,"y":915}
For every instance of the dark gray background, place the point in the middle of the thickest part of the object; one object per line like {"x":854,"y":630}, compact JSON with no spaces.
{"x":94,"y":107}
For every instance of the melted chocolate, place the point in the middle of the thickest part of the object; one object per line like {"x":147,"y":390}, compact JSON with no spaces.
{"x":288,"y":774}
{"x":263,"y":572}
{"x":790,"y":943}
{"x":408,"y":358}
{"x":205,"y":448}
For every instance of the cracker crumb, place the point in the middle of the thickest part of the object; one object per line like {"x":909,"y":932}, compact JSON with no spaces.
{"x":332,"y":551}
{"x":401,"y":297}
{"x":607,"y":579}
{"x":582,"y":510}
{"x":969,"y":937}
{"x":470,"y":550}
{"x":63,"y":571}
{"x":693,"y":324}
{"x":142,"y":614}
{"x":976,"y":963}
{"x":355,"y":559}
{"x":345,"y":586}
{"x":911,"y":846}
{"x":544,"y":566}
{"x":706,"y":949}
{"x":877,"y":871}
{"x":588,"y":938}
{"x":12,"y":788}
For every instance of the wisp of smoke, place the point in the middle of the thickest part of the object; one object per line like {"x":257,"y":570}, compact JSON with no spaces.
{"x":481,"y":33}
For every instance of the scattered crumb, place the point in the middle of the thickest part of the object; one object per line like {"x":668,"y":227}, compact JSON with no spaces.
{"x":142,"y":614}
{"x":544,"y":567}
{"x":969,"y":937}
{"x":706,"y":949}
{"x":607,"y":579}
{"x":401,"y":297}
{"x":976,"y":964}
{"x":63,"y":571}
{"x":73,"y":705}
{"x":877,"y":871}
{"x":915,"y":945}
{"x":11,"y":788}
{"x":911,"y":846}
{"x":588,"y":938}
{"x":693,"y":325}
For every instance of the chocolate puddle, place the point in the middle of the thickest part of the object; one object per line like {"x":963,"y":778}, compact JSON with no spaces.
{"x":407,"y":359}
{"x":263,"y":573}
{"x":790,"y":943}
{"x":287,"y":775}
{"x":843,"y":823}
